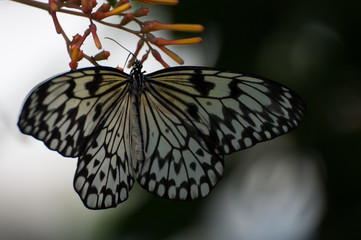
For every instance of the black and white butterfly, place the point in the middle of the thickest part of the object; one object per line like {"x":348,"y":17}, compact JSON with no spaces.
{"x":169,"y":130}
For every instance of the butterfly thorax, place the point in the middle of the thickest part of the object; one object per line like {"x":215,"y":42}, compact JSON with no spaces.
{"x":137,"y":78}
{"x":136,"y":136}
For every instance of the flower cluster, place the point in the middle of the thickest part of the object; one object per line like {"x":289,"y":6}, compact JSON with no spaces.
{"x":89,"y":9}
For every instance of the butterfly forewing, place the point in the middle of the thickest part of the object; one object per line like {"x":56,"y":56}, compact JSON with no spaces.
{"x":64,"y":110}
{"x":230,"y":109}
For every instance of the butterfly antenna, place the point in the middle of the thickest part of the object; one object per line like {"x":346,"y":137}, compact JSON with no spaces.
{"x":130,"y":53}
{"x":127,"y":60}
{"x":120,"y":45}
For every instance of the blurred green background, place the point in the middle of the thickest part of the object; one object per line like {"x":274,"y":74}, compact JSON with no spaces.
{"x":301,"y":186}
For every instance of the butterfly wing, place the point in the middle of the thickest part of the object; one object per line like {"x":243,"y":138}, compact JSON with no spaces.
{"x":83,"y":114}
{"x":192,"y":116}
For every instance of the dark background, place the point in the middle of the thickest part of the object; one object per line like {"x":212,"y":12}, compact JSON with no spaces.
{"x":312,"y":47}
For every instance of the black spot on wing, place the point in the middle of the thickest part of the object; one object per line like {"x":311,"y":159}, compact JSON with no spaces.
{"x":69,"y":92}
{"x":96,"y":163}
{"x":193,"y":111}
{"x":235,"y":90}
{"x":93,"y":86}
{"x":193,"y":166}
{"x":202,"y":86}
{"x":98,"y":111}
{"x":102,"y":175}
{"x":200,"y":152}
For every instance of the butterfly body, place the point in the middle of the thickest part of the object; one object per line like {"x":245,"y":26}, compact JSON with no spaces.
{"x":136,"y":136}
{"x":169,"y":130}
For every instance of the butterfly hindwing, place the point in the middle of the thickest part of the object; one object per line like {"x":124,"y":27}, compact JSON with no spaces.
{"x":180,"y":163}
{"x":104,"y":175}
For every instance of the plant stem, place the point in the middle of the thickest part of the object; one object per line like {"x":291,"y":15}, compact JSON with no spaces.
{"x":45,"y":6}
{"x":33,"y":3}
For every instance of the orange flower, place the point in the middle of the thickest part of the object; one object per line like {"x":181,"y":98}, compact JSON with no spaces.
{"x":150,"y":26}
{"x":172,"y":55}
{"x":160,"y":42}
{"x":152,"y":2}
{"x":144,"y":31}
{"x":75,"y":49}
{"x":115,"y":11}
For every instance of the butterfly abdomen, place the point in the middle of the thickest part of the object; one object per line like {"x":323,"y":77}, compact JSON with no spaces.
{"x":136,"y":135}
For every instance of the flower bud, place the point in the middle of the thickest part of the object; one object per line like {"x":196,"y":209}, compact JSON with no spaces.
{"x":157,"y":57}
{"x":103,"y":55}
{"x":141,"y":12}
{"x":139,"y":46}
{"x":105,"y":7}
{"x":93,"y":30}
{"x":73,"y":65}
{"x":127,"y":19}
{"x":145,"y":57}
{"x":88,"y":5}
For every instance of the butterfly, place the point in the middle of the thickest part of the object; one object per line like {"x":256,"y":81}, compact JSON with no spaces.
{"x":169,"y":130}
